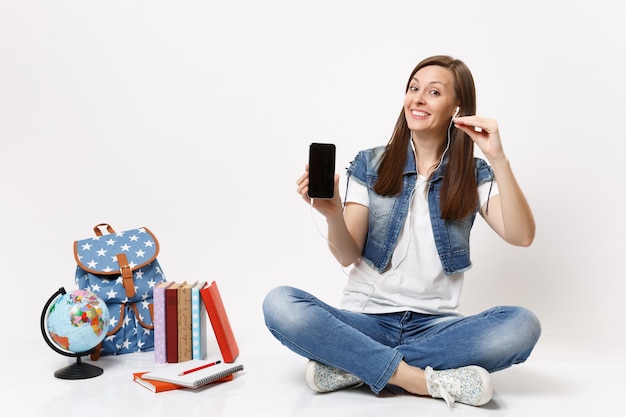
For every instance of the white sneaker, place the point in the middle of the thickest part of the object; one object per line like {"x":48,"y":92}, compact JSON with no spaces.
{"x":324,"y":378}
{"x":468,"y":385}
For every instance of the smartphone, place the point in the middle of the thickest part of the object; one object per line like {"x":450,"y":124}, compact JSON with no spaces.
{"x":321,"y":170}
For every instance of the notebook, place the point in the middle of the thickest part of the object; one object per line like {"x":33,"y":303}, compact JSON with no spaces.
{"x":193,"y":379}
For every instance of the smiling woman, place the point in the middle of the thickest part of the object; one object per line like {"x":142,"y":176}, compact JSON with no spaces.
{"x":405,"y":228}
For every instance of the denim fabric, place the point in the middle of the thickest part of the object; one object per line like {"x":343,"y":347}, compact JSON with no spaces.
{"x":388,"y":213}
{"x":371,"y":346}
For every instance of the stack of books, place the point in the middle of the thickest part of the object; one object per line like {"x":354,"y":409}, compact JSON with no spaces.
{"x":181,"y":335}
{"x":180,"y":322}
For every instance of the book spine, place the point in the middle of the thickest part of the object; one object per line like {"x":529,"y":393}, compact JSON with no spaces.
{"x":198,"y":325}
{"x":160,"y":355}
{"x":184,"y":323}
{"x":171,"y":323}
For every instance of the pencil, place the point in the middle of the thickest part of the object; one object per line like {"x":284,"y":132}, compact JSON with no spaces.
{"x":199,"y":368}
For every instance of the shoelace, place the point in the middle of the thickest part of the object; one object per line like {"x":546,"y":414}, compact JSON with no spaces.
{"x":444,"y":388}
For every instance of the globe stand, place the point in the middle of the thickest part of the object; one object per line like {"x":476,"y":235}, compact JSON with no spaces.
{"x":78,"y":370}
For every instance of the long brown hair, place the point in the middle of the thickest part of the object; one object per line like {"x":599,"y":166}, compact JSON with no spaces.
{"x":459,"y":196}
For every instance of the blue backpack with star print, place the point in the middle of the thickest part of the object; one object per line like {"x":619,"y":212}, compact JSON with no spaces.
{"x":122,"y":269}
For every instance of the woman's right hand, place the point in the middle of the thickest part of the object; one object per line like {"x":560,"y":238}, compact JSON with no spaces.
{"x":346,"y":238}
{"x":327,"y":207}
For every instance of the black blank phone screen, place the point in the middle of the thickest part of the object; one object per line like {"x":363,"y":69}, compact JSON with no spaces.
{"x":321,"y":170}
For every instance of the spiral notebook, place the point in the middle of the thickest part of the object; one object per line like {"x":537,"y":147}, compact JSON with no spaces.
{"x":184,"y":373}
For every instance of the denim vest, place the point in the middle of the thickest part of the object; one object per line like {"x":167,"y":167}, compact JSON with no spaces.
{"x":387,"y":214}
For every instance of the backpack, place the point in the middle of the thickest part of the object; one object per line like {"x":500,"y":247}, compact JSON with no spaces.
{"x":122,"y":269}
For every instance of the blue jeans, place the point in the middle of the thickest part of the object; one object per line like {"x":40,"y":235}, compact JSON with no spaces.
{"x":370,"y":346}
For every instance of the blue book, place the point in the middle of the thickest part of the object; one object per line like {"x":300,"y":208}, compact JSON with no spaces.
{"x":198,"y":322}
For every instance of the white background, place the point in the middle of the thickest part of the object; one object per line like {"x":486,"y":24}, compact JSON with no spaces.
{"x":193,"y":118}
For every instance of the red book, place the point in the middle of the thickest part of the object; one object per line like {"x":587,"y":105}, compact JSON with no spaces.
{"x":219,"y":321}
{"x":153,"y":385}
{"x":171,"y":323}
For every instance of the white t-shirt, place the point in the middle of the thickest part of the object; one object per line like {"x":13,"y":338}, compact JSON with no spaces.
{"x":415,"y":280}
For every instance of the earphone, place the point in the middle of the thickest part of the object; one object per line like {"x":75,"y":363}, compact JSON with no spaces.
{"x":458,"y":109}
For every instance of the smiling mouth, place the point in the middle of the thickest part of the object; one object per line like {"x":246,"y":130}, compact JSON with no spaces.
{"x":419,"y":113}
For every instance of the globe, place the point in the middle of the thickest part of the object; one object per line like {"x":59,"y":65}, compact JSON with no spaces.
{"x":73,"y":324}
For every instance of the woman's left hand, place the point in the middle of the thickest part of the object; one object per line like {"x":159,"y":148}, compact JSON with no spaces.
{"x":484,"y":132}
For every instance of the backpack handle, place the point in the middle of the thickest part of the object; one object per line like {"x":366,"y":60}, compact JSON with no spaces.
{"x":98,"y":231}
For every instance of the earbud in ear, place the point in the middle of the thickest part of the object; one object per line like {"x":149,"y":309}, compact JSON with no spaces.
{"x":458,"y":109}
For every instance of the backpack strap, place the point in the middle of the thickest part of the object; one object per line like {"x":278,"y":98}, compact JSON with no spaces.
{"x":127,"y":275}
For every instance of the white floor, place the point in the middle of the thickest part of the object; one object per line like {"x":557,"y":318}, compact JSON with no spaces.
{"x":272,"y":384}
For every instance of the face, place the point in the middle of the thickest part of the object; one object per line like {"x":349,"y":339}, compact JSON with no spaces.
{"x":430,"y":101}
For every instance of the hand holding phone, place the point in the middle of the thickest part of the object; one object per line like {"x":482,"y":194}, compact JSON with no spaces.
{"x":321,"y":170}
